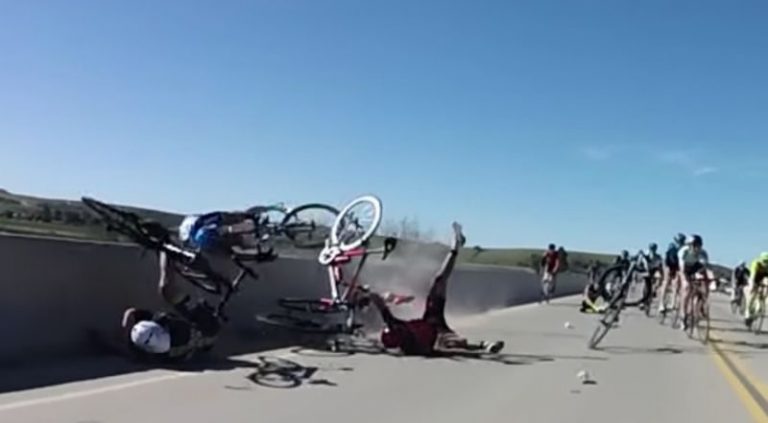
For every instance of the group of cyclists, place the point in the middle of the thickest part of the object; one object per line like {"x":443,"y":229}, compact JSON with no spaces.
{"x":674,"y":271}
{"x":684,"y":263}
{"x":190,"y":327}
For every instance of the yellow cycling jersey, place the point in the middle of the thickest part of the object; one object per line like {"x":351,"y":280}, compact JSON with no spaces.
{"x":758,"y":270}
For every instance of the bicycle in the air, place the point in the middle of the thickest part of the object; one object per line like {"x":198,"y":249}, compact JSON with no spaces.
{"x":191,"y":265}
{"x":617,"y":282}
{"x":307,"y":226}
{"x":348,"y":242}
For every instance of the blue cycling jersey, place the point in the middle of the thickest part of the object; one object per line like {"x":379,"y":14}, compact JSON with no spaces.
{"x":671,"y":255}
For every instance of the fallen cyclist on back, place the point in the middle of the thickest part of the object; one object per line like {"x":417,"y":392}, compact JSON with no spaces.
{"x":430,"y":334}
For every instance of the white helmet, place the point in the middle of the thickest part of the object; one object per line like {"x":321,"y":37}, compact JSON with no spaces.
{"x":185,"y":228}
{"x":150,"y":337}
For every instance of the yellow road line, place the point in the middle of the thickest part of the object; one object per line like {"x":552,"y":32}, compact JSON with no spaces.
{"x":750,"y":392}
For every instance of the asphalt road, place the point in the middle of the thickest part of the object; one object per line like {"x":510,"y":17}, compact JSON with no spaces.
{"x":645,"y":373}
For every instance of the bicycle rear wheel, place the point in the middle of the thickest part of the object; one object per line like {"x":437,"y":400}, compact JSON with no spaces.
{"x":318,"y":306}
{"x":356,"y":223}
{"x":702,"y":319}
{"x":309,"y":225}
{"x":305,"y":325}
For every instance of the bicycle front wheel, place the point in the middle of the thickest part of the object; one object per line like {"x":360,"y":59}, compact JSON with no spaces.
{"x":121,"y":221}
{"x":357,"y":223}
{"x":309,"y":225}
{"x":702,"y":320}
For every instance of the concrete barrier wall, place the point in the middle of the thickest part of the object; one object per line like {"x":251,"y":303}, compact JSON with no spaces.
{"x":53,"y":291}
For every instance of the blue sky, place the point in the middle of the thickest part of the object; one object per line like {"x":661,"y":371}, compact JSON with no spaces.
{"x":596,"y":124}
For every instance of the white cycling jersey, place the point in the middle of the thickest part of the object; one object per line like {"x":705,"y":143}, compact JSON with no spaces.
{"x":688,"y":256}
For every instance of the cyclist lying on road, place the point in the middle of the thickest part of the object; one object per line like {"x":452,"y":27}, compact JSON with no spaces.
{"x":592,"y":293}
{"x":178,"y":335}
{"x":430,"y":334}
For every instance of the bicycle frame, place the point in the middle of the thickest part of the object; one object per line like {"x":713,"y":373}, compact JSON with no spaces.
{"x":336,"y":271}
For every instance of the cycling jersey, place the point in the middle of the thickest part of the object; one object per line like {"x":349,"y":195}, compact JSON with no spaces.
{"x":741,"y":275}
{"x":758,"y":270}
{"x":688,"y":256}
{"x":670,"y":258}
{"x":551,"y":261}
{"x":200,"y":231}
{"x":654,"y":261}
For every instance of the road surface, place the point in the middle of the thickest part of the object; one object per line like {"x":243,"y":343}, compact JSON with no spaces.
{"x":645,"y":373}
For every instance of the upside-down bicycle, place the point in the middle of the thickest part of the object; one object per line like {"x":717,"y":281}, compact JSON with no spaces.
{"x":192,"y":266}
{"x":349,"y":237}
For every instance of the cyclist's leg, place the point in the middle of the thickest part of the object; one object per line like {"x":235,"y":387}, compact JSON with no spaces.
{"x":666,"y":283}
{"x":436,"y":299}
{"x":751,"y":291}
{"x":168,"y":285}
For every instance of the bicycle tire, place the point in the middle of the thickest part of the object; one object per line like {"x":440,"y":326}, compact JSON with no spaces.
{"x":304,"y":325}
{"x":339,"y":231}
{"x":761,"y":317}
{"x":609,"y":294}
{"x":605,"y":324}
{"x":703,"y":322}
{"x":124,"y":222}
{"x":315,"y":306}
{"x":316,"y":235}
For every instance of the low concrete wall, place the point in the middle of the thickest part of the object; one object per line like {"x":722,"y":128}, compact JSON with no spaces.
{"x":53,"y":291}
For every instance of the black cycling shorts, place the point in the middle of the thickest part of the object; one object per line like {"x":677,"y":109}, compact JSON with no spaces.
{"x":692,"y":269}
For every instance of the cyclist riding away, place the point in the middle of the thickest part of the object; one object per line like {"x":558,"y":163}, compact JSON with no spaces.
{"x":550,"y":264}
{"x":671,"y":270}
{"x":693,"y":261}
{"x":758,"y":271}
{"x":739,"y":279}
{"x":430,"y":334}
{"x":654,"y":266}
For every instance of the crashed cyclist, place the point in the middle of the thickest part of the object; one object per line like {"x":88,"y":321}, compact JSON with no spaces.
{"x":430,"y":334}
{"x":191,"y":326}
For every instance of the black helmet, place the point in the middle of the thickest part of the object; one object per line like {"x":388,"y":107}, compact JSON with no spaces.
{"x":653,"y":246}
{"x":696,"y":240}
{"x":551,"y":246}
{"x":624,"y":253}
{"x":680,"y":238}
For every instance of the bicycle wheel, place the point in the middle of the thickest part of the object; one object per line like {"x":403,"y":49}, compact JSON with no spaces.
{"x":305,"y":325}
{"x":604,"y":325}
{"x":319,"y":306}
{"x":308,"y":226}
{"x":758,"y":325}
{"x":356,"y":223}
{"x":124,"y":222}
{"x":702,"y":320}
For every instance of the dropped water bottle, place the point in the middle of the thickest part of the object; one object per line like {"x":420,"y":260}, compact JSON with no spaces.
{"x":583,"y":375}
{"x":568,"y":325}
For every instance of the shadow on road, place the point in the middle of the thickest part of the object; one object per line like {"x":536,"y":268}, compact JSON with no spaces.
{"x":105,"y":360}
{"x":667,"y":350}
{"x":280,"y":373}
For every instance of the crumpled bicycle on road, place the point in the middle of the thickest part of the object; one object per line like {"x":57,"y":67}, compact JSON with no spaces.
{"x":348,"y":241}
